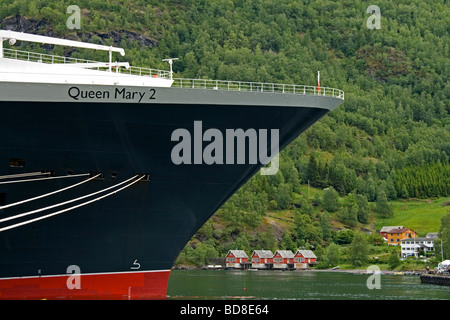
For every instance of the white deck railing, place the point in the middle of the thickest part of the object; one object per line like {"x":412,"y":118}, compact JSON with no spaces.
{"x":52,"y":59}
{"x":257,"y":87}
{"x":181,"y":82}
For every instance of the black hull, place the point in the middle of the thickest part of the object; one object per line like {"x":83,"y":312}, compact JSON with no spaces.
{"x":143,"y":227}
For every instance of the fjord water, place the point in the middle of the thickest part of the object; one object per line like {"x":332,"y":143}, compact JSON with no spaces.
{"x":301,"y":285}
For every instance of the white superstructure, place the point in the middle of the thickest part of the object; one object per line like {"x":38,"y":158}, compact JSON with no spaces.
{"x":15,"y":65}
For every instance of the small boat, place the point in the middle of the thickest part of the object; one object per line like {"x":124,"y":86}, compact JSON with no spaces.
{"x":337,"y":267}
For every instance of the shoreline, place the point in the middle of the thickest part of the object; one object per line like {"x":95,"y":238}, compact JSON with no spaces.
{"x":350,"y":271}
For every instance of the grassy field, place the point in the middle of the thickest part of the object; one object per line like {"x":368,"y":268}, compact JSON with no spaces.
{"x":421,"y":215}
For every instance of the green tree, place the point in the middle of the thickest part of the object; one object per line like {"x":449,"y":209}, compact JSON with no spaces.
{"x":266,"y":240}
{"x":363,"y":208}
{"x":305,"y":206}
{"x":349,"y":212}
{"x":358,"y":250}
{"x":332,"y":255}
{"x":286,"y":242}
{"x":330,"y":199}
{"x":344,"y":237}
{"x":382,"y":205}
{"x":241,"y":243}
{"x":325,"y":226}
{"x":283,"y":195}
{"x":393,"y":260}
{"x":313,"y":170}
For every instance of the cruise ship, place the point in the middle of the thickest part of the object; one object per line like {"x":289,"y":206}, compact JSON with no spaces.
{"x":107,"y":170}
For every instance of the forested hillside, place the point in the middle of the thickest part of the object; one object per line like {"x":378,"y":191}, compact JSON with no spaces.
{"x":390,"y":140}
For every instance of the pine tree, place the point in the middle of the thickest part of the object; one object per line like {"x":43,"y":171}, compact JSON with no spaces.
{"x":313,"y":170}
{"x":325,"y":226}
{"x":382,"y":205}
{"x":363,"y":208}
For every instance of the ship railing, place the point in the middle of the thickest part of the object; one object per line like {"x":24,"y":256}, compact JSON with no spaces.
{"x":257,"y":87}
{"x":53,"y":59}
{"x":178,"y":82}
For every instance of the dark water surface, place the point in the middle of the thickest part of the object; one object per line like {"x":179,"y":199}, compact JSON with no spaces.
{"x":297,"y":285}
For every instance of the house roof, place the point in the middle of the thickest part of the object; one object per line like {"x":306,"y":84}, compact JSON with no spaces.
{"x":388,"y":228}
{"x":238,"y":253}
{"x":306,"y":253}
{"x":416,"y":239}
{"x":285,"y":253}
{"x":263,"y":253}
{"x":399,"y":230}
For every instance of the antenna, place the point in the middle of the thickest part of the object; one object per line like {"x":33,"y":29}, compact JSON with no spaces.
{"x":170,"y":60}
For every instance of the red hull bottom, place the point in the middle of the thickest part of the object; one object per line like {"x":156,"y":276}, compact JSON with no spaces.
{"x":111,"y":286}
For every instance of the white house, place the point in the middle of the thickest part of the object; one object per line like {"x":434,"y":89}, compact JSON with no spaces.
{"x":411,"y":246}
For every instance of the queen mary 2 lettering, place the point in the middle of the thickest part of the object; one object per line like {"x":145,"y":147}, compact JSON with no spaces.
{"x":118,"y":94}
{"x":107,"y":170}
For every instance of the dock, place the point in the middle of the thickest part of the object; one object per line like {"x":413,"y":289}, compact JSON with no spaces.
{"x":436,"y":279}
